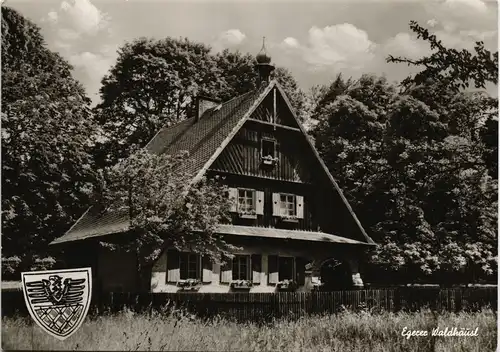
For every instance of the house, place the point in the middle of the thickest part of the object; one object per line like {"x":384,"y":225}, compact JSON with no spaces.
{"x":288,"y":213}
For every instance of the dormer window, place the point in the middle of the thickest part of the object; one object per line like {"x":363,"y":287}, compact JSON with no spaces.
{"x":268,"y":151}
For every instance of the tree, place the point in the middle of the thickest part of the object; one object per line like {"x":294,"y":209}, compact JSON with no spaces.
{"x":440,"y":197}
{"x":151,"y":85}
{"x":164,"y":208}
{"x":414,"y":175}
{"x":443,"y":178}
{"x":489,"y":136}
{"x":326,"y":95}
{"x":349,"y":136}
{"x":451,"y":68}
{"x":238,"y":72}
{"x":450,"y":71}
{"x":47,"y":130}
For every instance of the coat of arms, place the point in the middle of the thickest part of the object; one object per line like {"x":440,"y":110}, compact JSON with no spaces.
{"x":58,"y":300}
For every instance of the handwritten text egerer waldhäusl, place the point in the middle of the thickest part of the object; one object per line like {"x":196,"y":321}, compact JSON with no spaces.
{"x":446,"y":332}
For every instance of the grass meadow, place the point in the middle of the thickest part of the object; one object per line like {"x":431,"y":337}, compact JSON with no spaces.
{"x":347,"y":331}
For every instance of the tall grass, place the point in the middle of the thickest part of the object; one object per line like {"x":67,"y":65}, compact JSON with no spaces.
{"x":343,"y":332}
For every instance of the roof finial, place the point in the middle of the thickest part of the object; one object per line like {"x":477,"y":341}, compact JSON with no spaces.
{"x":262,"y":57}
{"x":263,"y":65}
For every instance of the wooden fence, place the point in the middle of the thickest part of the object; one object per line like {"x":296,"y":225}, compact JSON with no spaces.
{"x":264,"y":306}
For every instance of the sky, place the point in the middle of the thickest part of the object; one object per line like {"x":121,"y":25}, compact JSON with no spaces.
{"x":315,"y":40}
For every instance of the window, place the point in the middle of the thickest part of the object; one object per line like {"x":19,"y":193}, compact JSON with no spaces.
{"x":268,"y":148}
{"x":246,"y":201}
{"x":241,"y":267}
{"x":286,"y":268}
{"x":189,"y":265}
{"x":288,"y":205}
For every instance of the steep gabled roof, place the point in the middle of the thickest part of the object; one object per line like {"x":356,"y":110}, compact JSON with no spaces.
{"x":204,"y":139}
{"x":200,"y":138}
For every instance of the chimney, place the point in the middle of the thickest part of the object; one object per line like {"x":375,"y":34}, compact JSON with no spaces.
{"x":203,"y":104}
{"x":263,"y":65}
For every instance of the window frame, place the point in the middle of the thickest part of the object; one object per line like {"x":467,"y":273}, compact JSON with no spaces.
{"x":252,"y":213}
{"x":248,"y":264}
{"x":270,"y":140}
{"x":287,"y":203}
{"x":198,"y":265}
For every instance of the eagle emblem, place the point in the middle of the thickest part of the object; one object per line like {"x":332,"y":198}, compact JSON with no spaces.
{"x":58,"y":300}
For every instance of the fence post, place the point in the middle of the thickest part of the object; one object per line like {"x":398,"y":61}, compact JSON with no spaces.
{"x":397,"y":299}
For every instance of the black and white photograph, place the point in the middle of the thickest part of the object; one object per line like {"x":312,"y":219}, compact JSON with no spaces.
{"x":249,"y":175}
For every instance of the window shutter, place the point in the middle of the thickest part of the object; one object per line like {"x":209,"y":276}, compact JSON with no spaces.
{"x":256,"y":268}
{"x":300,"y":268}
{"x":226,"y":273}
{"x":207,"y":270}
{"x":276,"y":204}
{"x":173,"y":269}
{"x":273,"y":269}
{"x":233,"y":197}
{"x":259,"y":206}
{"x":300,"y":206}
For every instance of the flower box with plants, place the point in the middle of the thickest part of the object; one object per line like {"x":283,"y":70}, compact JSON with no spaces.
{"x":241,"y":284}
{"x":247,"y":214}
{"x":287,"y":285}
{"x":269,"y":160}
{"x":189,"y":285}
{"x":289,"y":218}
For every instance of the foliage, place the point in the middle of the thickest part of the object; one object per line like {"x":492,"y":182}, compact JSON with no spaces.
{"x":419,"y":165}
{"x":47,"y":133}
{"x":450,"y":71}
{"x":451,"y":68}
{"x":349,"y":137}
{"x":237,"y":71}
{"x":163,"y":207}
{"x":151,"y":85}
{"x":414,"y":175}
{"x":489,"y":136}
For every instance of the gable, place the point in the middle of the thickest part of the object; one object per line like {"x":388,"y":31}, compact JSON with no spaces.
{"x":242,"y":156}
{"x":229,"y":159}
{"x":273,"y":109}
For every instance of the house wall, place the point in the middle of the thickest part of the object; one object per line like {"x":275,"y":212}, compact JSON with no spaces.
{"x":116,"y":271}
{"x":308,"y":222}
{"x":316,"y":252}
{"x":243,"y":155}
{"x":298,"y":172}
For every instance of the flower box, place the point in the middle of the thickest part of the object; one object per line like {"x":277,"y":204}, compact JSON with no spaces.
{"x":241,"y":284}
{"x":269,"y":160}
{"x":288,"y":218}
{"x":248,"y":214}
{"x":287,"y":285}
{"x":189,"y":285}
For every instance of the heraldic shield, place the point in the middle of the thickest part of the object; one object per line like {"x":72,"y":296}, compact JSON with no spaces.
{"x":58,"y":300}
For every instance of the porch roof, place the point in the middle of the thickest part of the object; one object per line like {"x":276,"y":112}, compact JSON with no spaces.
{"x":237,"y":230}
{"x":268,"y":232}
